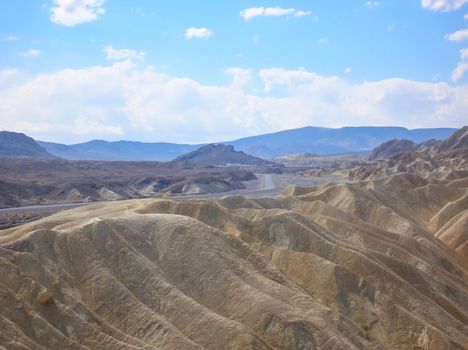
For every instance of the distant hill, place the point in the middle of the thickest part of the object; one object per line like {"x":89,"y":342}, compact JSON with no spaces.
{"x":13,"y":144}
{"x":323,"y":141}
{"x":119,"y":150}
{"x":220,"y":155}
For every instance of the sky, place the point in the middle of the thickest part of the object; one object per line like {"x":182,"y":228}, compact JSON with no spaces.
{"x":206,"y":71}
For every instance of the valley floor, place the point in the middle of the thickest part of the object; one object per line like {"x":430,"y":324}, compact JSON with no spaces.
{"x":266,"y":185}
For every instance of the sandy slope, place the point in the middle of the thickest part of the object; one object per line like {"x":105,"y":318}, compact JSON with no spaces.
{"x":348,"y":266}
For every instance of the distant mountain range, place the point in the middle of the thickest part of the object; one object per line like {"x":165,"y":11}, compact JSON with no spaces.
{"x":303,"y":140}
{"x":119,"y":150}
{"x":325,"y":141}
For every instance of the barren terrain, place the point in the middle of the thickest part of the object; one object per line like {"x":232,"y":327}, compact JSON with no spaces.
{"x":347,"y":266}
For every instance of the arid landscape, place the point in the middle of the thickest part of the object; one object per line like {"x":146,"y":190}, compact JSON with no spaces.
{"x":351,"y":266}
{"x":233,"y":175}
{"x":283,"y":254}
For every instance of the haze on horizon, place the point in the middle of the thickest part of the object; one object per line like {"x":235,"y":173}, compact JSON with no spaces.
{"x":76,"y":70}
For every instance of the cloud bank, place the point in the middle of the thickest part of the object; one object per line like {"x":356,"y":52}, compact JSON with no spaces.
{"x":128,"y":101}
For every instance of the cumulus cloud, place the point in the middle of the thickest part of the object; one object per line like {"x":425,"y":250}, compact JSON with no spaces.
{"x":348,"y":70}
{"x":122,"y":54}
{"x":11,"y":38}
{"x":126,"y":101}
{"x":462,"y":66}
{"x":253,"y":12}
{"x":443,"y":5}
{"x":72,"y":12}
{"x":198,"y":33}
{"x":459,"y":35}
{"x":31,"y":53}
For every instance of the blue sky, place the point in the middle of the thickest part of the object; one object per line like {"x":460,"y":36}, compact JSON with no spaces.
{"x":186,"y":71}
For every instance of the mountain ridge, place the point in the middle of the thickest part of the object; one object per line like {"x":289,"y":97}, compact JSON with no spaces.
{"x":308,"y":139}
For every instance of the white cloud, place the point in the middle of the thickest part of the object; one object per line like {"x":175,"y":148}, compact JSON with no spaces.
{"x":31,"y":53}
{"x":83,"y":125}
{"x":125,"y":101}
{"x":443,"y":5}
{"x":253,"y":12}
{"x":462,"y":66}
{"x":240,"y":76}
{"x":8,"y":77}
{"x":372,"y":4}
{"x":459,"y":35}
{"x":348,"y":70}
{"x":466,"y":16}
{"x":323,"y":41}
{"x":198,"y":33}
{"x":73,"y":12}
{"x":256,"y":39}
{"x":11,"y":38}
{"x":122,"y":54}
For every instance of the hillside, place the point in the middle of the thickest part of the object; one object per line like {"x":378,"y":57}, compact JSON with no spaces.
{"x":446,"y":159}
{"x":392,"y":148}
{"x":458,"y":141}
{"x":14,"y":144}
{"x":323,"y":141}
{"x":349,"y":266}
{"x":220,"y":155}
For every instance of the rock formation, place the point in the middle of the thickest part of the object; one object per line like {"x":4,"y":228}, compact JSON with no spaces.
{"x":346,"y":266}
{"x":432,"y":159}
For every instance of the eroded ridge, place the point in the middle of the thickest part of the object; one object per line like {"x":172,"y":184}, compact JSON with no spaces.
{"x":345,"y":266}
